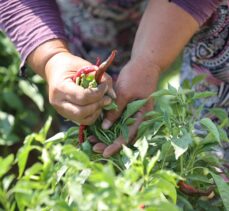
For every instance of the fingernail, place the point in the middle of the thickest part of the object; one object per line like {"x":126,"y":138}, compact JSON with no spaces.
{"x":106,"y":89}
{"x":103,"y":87}
{"x":112,"y":93}
{"x":99,"y":147}
{"x":97,"y":150}
{"x":106,"y":124}
{"x":106,"y":154}
{"x":107,"y":101}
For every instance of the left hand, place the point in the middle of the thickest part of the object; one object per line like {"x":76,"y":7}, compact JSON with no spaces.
{"x":164,"y":30}
{"x":137,"y":80}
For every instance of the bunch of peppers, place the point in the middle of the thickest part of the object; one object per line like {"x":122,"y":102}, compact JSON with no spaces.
{"x":86,"y":80}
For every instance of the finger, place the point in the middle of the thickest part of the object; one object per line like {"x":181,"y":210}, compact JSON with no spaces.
{"x":107,"y":79}
{"x":79,"y":96}
{"x":74,"y":113}
{"x":92,"y":139}
{"x":117,"y":145}
{"x":113,"y":115}
{"x":88,"y":110}
{"x":99,"y":147}
{"x":91,"y":119}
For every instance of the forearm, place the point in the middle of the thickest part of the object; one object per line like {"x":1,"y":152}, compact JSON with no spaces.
{"x":163,"y":32}
{"x":30,"y":23}
{"x":39,"y":57}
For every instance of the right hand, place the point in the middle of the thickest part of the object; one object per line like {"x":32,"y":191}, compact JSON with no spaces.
{"x":80,"y":105}
{"x":57,"y":65}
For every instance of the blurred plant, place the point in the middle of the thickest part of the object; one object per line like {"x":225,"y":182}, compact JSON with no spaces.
{"x":189,"y":139}
{"x":21,"y":101}
{"x":63,"y":178}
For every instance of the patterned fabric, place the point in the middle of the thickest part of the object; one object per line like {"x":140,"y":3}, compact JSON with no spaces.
{"x":208,"y":53}
{"x":99,"y":26}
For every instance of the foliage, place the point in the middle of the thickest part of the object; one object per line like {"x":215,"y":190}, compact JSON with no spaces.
{"x":188,"y":138}
{"x":21,"y":100}
{"x":175,"y":143}
{"x":64,"y":178}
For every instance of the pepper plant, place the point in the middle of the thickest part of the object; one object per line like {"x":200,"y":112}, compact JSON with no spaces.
{"x":21,"y":101}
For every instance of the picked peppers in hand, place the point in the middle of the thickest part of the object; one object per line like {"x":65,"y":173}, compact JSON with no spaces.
{"x":86,"y":80}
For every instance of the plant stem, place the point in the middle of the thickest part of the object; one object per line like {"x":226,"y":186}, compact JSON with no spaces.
{"x":181,"y":165}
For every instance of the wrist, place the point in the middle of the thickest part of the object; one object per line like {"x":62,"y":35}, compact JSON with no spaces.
{"x":145,"y":65}
{"x":38,"y":58}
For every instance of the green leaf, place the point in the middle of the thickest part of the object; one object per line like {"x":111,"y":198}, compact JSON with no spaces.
{"x":223,"y":134}
{"x":133,"y":107}
{"x":128,"y":152}
{"x":142,"y":145}
{"x":23,"y":154}
{"x":163,"y":206}
{"x":44,"y":130}
{"x":160,"y":93}
{"x":199,"y":178}
{"x":223,"y":188}
{"x":184,"y":203}
{"x":209,"y":158}
{"x":181,"y":144}
{"x":9,"y":140}
{"x":199,"y":95}
{"x":130,"y":121}
{"x":75,"y":154}
{"x":56,"y":138}
{"x":33,"y":93}
{"x":198,"y":79}
{"x":172,"y":90}
{"x":7,"y":181}
{"x":167,"y":188}
{"x":6,"y":123}
{"x":86,"y":147}
{"x":112,"y":106}
{"x":152,"y":162}
{"x":211,"y":127}
{"x":220,"y":113}
{"x":35,"y":169}
{"x":5,"y":164}
{"x":186,"y":84}
{"x":12,"y":100}
{"x":125,"y":132}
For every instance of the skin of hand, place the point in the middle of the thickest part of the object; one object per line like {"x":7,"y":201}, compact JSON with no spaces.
{"x":163,"y":32}
{"x":57,"y":65}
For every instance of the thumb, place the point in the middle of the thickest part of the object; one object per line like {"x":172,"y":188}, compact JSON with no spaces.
{"x":113,"y":115}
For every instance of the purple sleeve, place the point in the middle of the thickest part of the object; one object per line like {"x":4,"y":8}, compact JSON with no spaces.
{"x":201,"y":10}
{"x":29,"y":23}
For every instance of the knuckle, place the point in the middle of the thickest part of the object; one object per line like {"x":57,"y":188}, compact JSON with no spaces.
{"x":81,"y":98}
{"x":77,"y":113}
{"x":54,"y":95}
{"x":53,"y":101}
{"x":88,"y":121}
{"x":91,"y":120}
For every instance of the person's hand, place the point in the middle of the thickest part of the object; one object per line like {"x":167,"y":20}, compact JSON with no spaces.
{"x":164,"y":30}
{"x":70,"y":100}
{"x":137,"y":80}
{"x":57,"y":65}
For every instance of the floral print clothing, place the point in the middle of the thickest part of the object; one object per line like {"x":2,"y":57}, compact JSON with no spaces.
{"x":94,"y":28}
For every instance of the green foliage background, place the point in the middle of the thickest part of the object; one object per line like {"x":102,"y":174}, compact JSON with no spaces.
{"x":23,"y":107}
